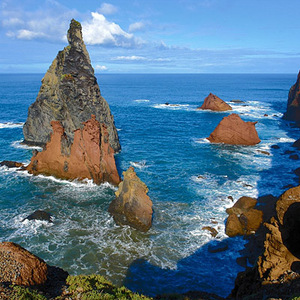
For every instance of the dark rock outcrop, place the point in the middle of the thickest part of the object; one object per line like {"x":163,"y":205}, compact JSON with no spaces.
{"x":19,"y":266}
{"x":11,"y":164}
{"x":293,"y":104}
{"x":243,"y":218}
{"x":39,"y":215}
{"x":69,"y":94}
{"x":233,"y":130}
{"x":296,"y":144}
{"x":132,"y":206}
{"x":213,"y":102}
{"x":89,"y":156}
{"x":276,"y":272}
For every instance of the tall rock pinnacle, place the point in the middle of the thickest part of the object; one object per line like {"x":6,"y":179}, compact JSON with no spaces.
{"x":69,"y":94}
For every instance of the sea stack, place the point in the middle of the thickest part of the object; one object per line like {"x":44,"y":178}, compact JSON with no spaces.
{"x":293,"y":105}
{"x":69,"y":94}
{"x":88,"y":156}
{"x":213,"y":102}
{"x":233,"y":130}
{"x":132,"y":206}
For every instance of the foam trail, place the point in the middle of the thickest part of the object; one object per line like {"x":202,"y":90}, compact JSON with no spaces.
{"x":18,"y":144}
{"x":11,"y":125}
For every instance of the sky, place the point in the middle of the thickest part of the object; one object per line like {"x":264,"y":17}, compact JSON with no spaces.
{"x":155,"y":36}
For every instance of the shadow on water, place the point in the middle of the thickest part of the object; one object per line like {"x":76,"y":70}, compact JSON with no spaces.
{"x":221,"y":268}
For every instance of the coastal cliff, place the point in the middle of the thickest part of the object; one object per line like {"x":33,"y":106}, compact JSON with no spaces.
{"x":293,"y":105}
{"x":88,"y":156}
{"x":69,"y":94}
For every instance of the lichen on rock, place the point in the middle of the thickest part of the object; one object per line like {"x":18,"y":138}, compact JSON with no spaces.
{"x":69,"y":94}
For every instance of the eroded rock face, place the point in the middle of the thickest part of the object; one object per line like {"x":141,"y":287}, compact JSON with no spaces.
{"x":69,"y":94}
{"x":89,"y":156}
{"x":293,"y":105}
{"x":213,"y":102}
{"x":132,"y":206}
{"x":233,"y":130}
{"x":243,"y":218}
{"x":19,"y":266}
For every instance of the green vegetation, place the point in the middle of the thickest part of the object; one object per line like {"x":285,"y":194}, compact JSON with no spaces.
{"x":88,"y":287}
{"x":75,"y":23}
{"x":66,"y":77}
{"x":22,"y":293}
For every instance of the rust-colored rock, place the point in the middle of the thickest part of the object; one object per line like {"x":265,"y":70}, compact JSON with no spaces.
{"x":214,"y":103}
{"x":243,"y":218}
{"x":233,"y":130}
{"x":293,"y":105}
{"x":19,"y":266}
{"x":90,"y":156}
{"x":132,"y":206}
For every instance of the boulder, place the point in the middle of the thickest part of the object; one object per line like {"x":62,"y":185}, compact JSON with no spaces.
{"x":275,"y":147}
{"x":39,"y":215}
{"x":293,"y":105}
{"x":233,"y":130}
{"x":89,"y":156}
{"x":11,"y":164}
{"x":218,"y":247}
{"x":19,"y":266}
{"x":213,"y":102}
{"x":69,"y":94}
{"x":294,"y":156}
{"x":212,"y":230}
{"x":243,"y":218}
{"x":132,"y":206}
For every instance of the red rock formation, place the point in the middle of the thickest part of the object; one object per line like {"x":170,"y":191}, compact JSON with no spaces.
{"x":132,"y":206}
{"x":243,"y":218}
{"x":213,"y":102}
{"x":233,"y":130}
{"x":293,"y":105}
{"x":19,"y":266}
{"x":90,"y":156}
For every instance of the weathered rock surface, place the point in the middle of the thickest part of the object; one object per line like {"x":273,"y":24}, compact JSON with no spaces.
{"x":243,"y":218}
{"x":293,"y":104}
{"x":89,"y":156}
{"x":19,"y":266}
{"x":39,"y":215}
{"x":277,"y":270}
{"x":132,"y":206}
{"x":214,"y":103}
{"x":69,"y":94}
{"x":233,"y":130}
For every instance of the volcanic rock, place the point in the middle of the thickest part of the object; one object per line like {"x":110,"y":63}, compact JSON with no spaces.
{"x":233,"y":130}
{"x":293,"y":104}
{"x":296,"y":144}
{"x":89,"y":156}
{"x":243,"y":218}
{"x":19,"y":266}
{"x":39,"y":215}
{"x":212,"y":230}
{"x":213,"y":102}
{"x":69,"y":94}
{"x":11,"y":164}
{"x":132,"y":206}
{"x":275,"y":147}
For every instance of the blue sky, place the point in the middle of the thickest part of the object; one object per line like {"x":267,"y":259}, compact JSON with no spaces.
{"x":155,"y":36}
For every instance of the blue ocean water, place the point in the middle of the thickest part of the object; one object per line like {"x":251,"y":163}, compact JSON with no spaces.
{"x":189,"y":179}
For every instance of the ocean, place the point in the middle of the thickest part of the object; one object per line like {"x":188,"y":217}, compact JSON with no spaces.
{"x":189,"y":179}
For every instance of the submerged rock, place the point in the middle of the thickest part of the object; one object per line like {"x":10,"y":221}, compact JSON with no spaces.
{"x":215,"y":103}
{"x":69,"y":94}
{"x":132,"y":206}
{"x":233,"y":130}
{"x":11,"y":164}
{"x":89,"y":156}
{"x":39,"y":215}
{"x":218,"y":247}
{"x":19,"y":266}
{"x":293,"y":104}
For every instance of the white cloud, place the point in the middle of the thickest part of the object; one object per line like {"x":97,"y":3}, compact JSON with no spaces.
{"x":140,"y":58}
{"x":13,"y":21}
{"x":107,"y":9}
{"x":99,"y":31}
{"x":136,"y":26}
{"x":101,"y":68}
{"x":25,"y":34}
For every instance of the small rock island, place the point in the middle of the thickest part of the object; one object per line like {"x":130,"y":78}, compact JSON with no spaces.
{"x":213,"y":102}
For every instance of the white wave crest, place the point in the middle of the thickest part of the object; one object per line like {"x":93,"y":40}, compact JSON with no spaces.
{"x":11,"y":125}
{"x":141,"y":100}
{"x":138,"y":164}
{"x":18,"y":144}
